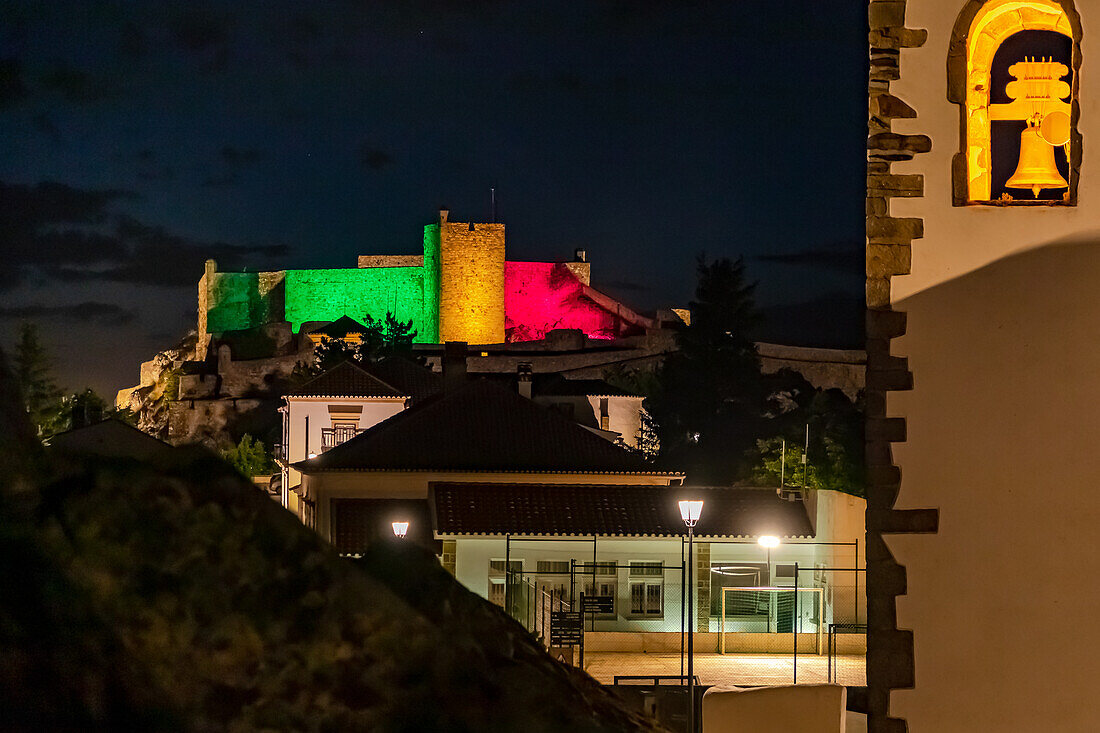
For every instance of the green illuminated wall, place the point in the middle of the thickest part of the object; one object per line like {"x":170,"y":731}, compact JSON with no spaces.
{"x":325,"y":295}
{"x":240,"y":300}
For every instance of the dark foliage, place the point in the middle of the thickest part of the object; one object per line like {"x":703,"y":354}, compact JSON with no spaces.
{"x":177,"y":597}
{"x":709,"y":401}
{"x":388,"y":337}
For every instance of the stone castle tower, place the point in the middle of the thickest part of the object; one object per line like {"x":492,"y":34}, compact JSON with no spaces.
{"x":983,"y":407}
{"x":467,"y":259}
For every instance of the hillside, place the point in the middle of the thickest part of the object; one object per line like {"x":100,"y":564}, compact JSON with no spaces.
{"x":177,"y":597}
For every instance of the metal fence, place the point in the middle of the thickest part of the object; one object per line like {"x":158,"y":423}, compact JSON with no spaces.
{"x":774,"y":627}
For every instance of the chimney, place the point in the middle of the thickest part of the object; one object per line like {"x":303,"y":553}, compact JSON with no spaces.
{"x":454,"y":365}
{"x":523,"y":378}
{"x":443,"y":214}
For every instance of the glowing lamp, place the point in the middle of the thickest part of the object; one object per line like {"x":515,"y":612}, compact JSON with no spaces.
{"x":400,"y":528}
{"x":312,"y":455}
{"x":768,"y":541}
{"x":690,"y":511}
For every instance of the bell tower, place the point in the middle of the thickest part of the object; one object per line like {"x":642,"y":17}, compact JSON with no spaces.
{"x":982,"y":409}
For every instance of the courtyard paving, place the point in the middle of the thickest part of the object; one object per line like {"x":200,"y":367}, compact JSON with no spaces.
{"x":729,"y":669}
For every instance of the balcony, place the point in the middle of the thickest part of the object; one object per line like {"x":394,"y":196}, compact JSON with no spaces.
{"x":332,"y":437}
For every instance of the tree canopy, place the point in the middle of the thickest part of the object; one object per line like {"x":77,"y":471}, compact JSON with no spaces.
{"x":712,"y":413}
{"x":382,"y":338}
{"x":709,"y":398}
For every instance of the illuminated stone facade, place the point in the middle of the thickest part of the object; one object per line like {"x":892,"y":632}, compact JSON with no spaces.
{"x":471,"y":280}
{"x":460,"y":289}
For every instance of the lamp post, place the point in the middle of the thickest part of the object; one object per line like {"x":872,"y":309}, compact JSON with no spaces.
{"x":768,"y":541}
{"x":400,"y":529}
{"x":689,"y":512}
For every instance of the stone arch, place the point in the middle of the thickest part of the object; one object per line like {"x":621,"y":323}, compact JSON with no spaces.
{"x":981,"y":28}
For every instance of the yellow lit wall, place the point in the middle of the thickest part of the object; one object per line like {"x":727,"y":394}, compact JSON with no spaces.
{"x":471,"y":282}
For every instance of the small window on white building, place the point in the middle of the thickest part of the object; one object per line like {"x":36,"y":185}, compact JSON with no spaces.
{"x":552,"y":566}
{"x":496,"y":591}
{"x":647,"y":589}
{"x":496,"y":578}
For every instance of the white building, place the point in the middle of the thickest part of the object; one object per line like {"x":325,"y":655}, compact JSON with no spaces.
{"x":329,"y":410}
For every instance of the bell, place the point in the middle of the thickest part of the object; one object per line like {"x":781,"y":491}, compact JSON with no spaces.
{"x":1036,"y":169}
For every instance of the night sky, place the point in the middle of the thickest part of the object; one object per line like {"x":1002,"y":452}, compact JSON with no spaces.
{"x":139,"y":138}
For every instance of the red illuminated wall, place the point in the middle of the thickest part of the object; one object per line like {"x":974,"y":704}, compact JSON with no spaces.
{"x":540,"y":296}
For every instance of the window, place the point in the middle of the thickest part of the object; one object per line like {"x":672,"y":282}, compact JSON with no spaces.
{"x":647,"y":588}
{"x":1012,"y":70}
{"x":496,"y":591}
{"x":603,"y":587}
{"x":605,"y":421}
{"x":496,"y":578}
{"x":496,"y":567}
{"x":552,"y":566}
{"x":553,"y":578}
{"x":602,"y":568}
{"x":784,"y":571}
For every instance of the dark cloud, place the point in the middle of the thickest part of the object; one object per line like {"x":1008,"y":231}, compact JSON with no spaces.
{"x":149,"y":167}
{"x":52,"y":232}
{"x":221,"y":181}
{"x":198,"y":31}
{"x":240,"y":156}
{"x":132,"y":43}
{"x":847,"y":257}
{"x":374,"y":159}
{"x":12,"y":87}
{"x":45,"y":125}
{"x":104,"y":314}
{"x":74,"y":85}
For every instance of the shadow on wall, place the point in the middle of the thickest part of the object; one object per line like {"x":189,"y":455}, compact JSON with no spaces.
{"x":1002,"y":426}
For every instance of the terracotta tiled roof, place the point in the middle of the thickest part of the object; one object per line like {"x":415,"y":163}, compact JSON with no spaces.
{"x":356,"y":523}
{"x":410,"y":378}
{"x":340,"y":328}
{"x":561,"y":509}
{"x":345,"y":380}
{"x":479,"y":427}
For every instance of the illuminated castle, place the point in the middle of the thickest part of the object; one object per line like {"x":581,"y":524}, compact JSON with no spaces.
{"x":461,"y":289}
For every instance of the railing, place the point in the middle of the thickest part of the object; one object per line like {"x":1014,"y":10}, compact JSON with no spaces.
{"x":332,"y":437}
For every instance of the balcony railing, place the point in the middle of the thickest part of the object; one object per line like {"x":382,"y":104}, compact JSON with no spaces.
{"x":332,"y":437}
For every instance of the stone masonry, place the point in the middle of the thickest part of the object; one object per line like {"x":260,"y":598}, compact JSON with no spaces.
{"x":889,"y":253}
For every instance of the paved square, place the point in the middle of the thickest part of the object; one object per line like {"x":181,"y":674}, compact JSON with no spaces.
{"x":729,"y":669}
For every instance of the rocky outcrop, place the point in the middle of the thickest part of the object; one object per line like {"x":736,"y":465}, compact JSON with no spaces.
{"x":151,"y":399}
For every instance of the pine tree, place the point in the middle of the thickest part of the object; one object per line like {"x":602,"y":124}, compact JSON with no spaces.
{"x":710,"y":399}
{"x":33,"y":370}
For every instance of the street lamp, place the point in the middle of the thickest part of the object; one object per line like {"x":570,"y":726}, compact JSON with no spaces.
{"x":400,"y":528}
{"x":689,"y":512}
{"x":768,"y":541}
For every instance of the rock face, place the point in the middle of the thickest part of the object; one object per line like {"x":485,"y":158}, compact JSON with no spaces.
{"x":233,"y":390}
{"x":151,"y":400}
{"x":176,"y":596}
